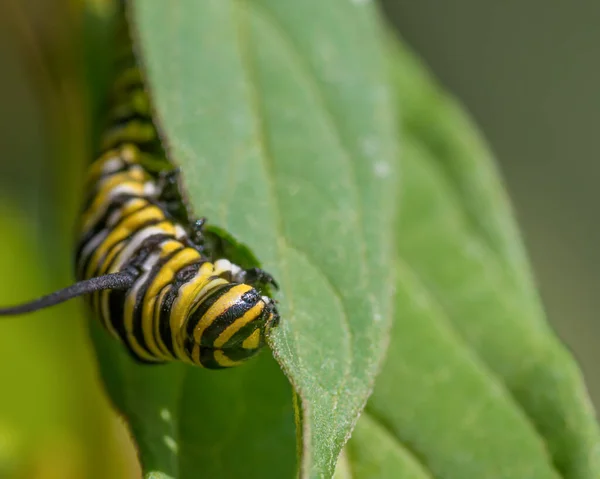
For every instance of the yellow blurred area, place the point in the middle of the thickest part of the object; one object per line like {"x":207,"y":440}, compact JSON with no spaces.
{"x":55,"y":420}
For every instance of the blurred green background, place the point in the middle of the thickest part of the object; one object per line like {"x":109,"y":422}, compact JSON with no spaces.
{"x":527,"y":71}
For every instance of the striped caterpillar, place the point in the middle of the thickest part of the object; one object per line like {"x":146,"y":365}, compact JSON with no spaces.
{"x":144,"y":272}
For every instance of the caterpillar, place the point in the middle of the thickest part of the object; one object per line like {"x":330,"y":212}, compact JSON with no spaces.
{"x":143,"y":265}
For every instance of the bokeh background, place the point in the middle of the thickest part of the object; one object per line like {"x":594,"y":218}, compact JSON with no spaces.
{"x":527,"y":71}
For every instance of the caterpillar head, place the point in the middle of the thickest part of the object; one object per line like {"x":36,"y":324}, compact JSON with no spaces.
{"x":229,"y":325}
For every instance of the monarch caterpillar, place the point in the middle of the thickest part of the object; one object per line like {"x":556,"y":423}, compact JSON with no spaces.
{"x":144,"y":271}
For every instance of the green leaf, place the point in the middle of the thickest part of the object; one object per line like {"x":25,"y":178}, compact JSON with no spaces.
{"x":475,"y":383}
{"x":375,"y":452}
{"x":279,"y":114}
{"x":187,"y":421}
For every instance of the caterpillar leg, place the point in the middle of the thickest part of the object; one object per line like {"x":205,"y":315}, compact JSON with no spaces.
{"x":169,"y":194}
{"x":256,"y":276}
{"x":197,"y":233}
{"x":252,"y":276}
